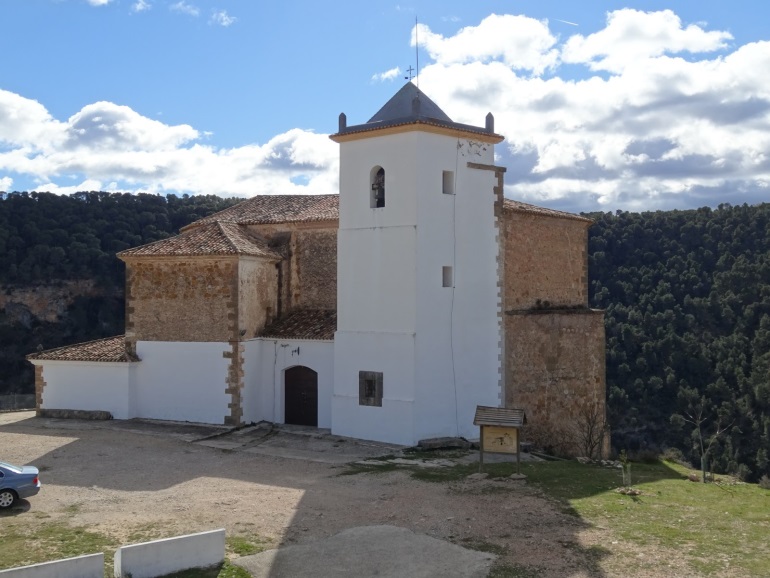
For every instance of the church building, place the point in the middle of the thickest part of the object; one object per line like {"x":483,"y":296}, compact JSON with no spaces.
{"x":387,"y":312}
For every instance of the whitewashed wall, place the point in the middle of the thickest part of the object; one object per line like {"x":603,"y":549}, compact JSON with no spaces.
{"x":398,"y":156}
{"x":256,"y":400}
{"x":477,"y":328}
{"x":88,"y":386}
{"x":376,"y":288}
{"x":266,"y":361}
{"x":438,"y":348}
{"x":181,"y":381}
{"x":376,"y":279}
{"x":389,"y":353}
{"x":457,"y":327}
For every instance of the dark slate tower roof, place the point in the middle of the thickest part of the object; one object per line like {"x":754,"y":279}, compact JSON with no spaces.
{"x":401,"y":106}
{"x":412,"y":106}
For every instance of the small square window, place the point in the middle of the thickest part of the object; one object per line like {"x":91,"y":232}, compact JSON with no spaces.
{"x":448,"y":183}
{"x":446,"y":277}
{"x":370,"y":388}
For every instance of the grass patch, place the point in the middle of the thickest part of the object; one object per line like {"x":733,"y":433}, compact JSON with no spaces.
{"x":73,"y":508}
{"x":358,"y":468}
{"x":25,"y":544}
{"x":246,"y":545}
{"x":147,"y":533}
{"x":448,"y":474}
{"x":714,"y":528}
{"x":416,"y":453}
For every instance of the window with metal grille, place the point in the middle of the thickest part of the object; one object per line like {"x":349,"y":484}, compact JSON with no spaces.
{"x":370,"y":388}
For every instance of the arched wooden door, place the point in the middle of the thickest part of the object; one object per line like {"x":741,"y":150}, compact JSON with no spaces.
{"x":301,"y":407}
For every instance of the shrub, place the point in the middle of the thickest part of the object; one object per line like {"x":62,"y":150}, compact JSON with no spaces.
{"x":644,"y":455}
{"x":764,"y":482}
{"x":743,"y":473}
{"x":675,"y":455}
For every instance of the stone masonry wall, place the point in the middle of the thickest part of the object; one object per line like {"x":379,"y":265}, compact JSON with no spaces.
{"x":234,"y":383}
{"x":316,"y":268}
{"x":555,"y":371}
{"x":258,"y":295}
{"x":39,"y":387}
{"x":545,"y":260}
{"x":308,"y":272}
{"x":181,"y":299}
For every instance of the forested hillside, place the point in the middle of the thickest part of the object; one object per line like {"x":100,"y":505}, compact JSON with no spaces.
{"x":687,"y":299}
{"x":686,"y":293}
{"x":51,"y":239}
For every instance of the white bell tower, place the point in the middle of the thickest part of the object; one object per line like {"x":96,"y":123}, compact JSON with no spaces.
{"x":419,"y":299}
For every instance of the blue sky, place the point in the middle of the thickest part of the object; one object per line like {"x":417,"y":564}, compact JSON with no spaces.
{"x":604,"y":105}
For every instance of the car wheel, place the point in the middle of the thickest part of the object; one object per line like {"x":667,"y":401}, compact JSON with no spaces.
{"x":7,"y":498}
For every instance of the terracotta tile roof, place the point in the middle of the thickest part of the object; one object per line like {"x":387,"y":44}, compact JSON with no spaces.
{"x":210,"y":239}
{"x":368,"y":127}
{"x":264,"y":209}
{"x":519,"y":207}
{"x":304,"y":324}
{"x":108,"y":349}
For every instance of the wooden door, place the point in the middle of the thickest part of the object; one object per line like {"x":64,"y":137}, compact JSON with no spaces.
{"x":301,"y":396}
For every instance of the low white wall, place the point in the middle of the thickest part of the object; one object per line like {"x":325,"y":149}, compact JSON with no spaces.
{"x":161,"y":557}
{"x":92,"y":386}
{"x":89,"y":566}
{"x":181,"y":381}
{"x":256,"y":404}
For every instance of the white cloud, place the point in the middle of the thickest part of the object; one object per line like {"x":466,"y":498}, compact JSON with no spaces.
{"x":387,"y":75}
{"x":25,"y":122}
{"x":86,"y":185}
{"x":520,"y":42}
{"x":98,"y":2}
{"x":105,"y":145}
{"x":665,"y":132}
{"x":107,"y":126}
{"x":633,"y":34}
{"x":222,"y":18}
{"x":668,"y":131}
{"x":5,"y":184}
{"x":141,"y":6}
{"x":185,"y":8}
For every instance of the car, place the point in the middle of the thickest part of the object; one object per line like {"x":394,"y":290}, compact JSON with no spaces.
{"x":17,"y":482}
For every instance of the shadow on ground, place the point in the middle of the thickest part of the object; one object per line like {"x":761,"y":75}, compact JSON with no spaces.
{"x":530,"y":534}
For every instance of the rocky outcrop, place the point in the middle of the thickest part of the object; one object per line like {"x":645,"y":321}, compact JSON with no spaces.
{"x":44,"y":302}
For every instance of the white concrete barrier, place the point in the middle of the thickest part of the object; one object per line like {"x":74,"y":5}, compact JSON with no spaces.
{"x":162,"y":557}
{"x":89,"y":566}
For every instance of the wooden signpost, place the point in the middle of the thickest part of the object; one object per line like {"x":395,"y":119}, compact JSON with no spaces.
{"x":499,"y":432}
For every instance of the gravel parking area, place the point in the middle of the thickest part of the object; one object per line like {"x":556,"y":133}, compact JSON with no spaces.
{"x":136,"y":478}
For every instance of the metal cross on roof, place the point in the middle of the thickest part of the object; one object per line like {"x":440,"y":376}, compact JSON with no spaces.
{"x":411,"y":71}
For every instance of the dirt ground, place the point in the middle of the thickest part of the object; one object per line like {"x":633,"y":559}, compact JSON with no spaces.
{"x":137,"y":481}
